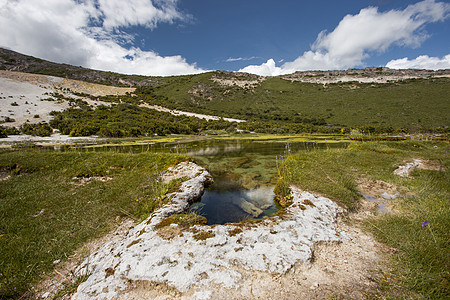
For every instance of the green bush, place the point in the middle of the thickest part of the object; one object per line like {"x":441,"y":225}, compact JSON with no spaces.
{"x":3,"y":133}
{"x":39,"y":129}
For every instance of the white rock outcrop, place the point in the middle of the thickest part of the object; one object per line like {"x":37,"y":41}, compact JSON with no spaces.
{"x":403,"y":171}
{"x":274,"y":245}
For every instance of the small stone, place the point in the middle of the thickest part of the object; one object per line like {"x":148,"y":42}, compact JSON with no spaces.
{"x":345,"y":261}
{"x":56,"y":261}
{"x":314,"y":286}
{"x":388,"y":196}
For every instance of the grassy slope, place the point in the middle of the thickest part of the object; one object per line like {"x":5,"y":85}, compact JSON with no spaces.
{"x":410,"y":104}
{"x":72,"y":214}
{"x":422,"y":262}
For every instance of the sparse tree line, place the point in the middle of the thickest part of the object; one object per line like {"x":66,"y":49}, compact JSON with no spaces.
{"x":126,"y":120}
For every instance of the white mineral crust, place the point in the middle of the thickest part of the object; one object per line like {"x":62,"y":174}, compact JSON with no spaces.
{"x":274,"y":245}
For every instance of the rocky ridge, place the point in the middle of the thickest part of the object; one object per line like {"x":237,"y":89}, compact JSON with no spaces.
{"x":13,"y":61}
{"x":367,"y":75}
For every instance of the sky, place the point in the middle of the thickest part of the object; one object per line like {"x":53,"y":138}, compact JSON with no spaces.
{"x":264,"y":37}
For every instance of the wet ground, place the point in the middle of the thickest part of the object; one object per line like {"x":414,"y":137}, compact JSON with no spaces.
{"x":244,"y":172}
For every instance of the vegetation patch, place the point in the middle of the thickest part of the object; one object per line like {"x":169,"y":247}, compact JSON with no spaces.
{"x":128,"y":120}
{"x":133,"y":243}
{"x":418,"y":231}
{"x":235,"y":231}
{"x":45,"y":217}
{"x":280,"y":106}
{"x":39,"y":129}
{"x":184,"y":220}
{"x":203,"y":235}
{"x":308,"y":202}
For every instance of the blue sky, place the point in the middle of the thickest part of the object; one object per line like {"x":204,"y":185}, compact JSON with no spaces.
{"x":170,"y":37}
{"x":262,"y":30}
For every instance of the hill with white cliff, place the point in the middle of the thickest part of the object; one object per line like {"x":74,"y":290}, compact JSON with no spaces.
{"x":372,"y":100}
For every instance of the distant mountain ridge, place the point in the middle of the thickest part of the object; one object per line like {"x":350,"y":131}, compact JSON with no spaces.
{"x":14,"y":61}
{"x":375,"y":99}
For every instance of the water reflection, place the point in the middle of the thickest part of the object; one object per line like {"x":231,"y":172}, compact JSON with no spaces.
{"x":208,"y":151}
{"x":244,"y":172}
{"x":381,"y":205}
{"x":204,"y":152}
{"x":236,"y":205}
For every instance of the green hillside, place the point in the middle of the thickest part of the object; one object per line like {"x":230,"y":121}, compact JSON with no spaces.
{"x":284,"y":104}
{"x":413,"y":104}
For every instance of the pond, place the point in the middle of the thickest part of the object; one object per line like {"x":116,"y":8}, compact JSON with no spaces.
{"x":244,"y":171}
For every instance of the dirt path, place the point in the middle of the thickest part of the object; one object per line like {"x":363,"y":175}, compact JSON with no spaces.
{"x":189,"y":114}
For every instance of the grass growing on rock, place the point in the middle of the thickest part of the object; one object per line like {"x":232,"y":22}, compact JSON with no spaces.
{"x":45,"y":214}
{"x":184,"y":220}
{"x":421,"y":262}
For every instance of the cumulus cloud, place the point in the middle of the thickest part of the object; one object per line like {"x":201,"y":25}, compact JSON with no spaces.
{"x":87,"y":33}
{"x":421,"y":62}
{"x":266,"y":69}
{"x":358,"y":36}
{"x":118,"y":13}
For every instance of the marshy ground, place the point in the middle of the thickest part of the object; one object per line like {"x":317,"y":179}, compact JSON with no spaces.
{"x":385,"y":255}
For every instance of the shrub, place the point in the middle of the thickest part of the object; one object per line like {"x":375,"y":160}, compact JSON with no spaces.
{"x":39,"y":129}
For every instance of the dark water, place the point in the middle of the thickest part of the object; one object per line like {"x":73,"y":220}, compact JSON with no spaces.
{"x":221,"y":206}
{"x":244,"y":172}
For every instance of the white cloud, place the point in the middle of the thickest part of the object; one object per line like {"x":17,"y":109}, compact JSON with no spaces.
{"x":421,"y":62}
{"x":118,"y":13}
{"x":87,"y":33}
{"x":110,"y":56}
{"x":358,"y":36}
{"x":231,"y":59}
{"x":266,"y":69}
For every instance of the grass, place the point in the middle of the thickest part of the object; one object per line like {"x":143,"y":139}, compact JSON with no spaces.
{"x":184,"y":220}
{"x":421,"y":262}
{"x":45,"y":215}
{"x":332,"y":172}
{"x":409,"y":104}
{"x":423,"y":258}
